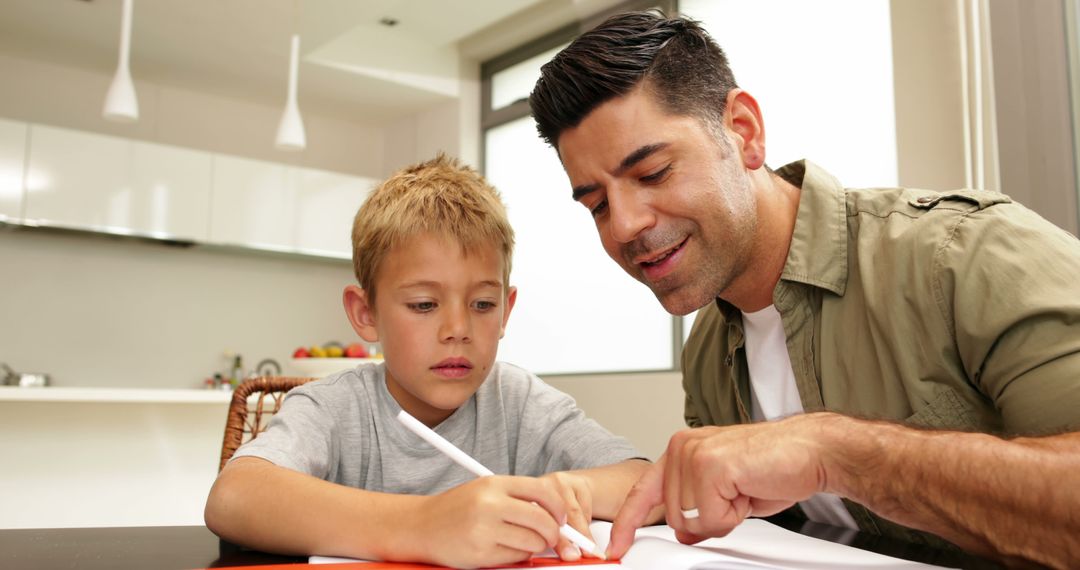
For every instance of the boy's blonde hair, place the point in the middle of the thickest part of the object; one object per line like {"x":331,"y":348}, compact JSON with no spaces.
{"x":440,"y":196}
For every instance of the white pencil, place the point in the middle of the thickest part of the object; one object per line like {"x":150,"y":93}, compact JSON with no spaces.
{"x":474,"y":466}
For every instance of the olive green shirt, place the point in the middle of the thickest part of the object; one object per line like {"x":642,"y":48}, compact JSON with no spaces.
{"x":955,"y":310}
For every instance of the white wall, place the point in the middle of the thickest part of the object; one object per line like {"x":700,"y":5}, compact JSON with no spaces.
{"x":72,"y":464}
{"x":96,"y":311}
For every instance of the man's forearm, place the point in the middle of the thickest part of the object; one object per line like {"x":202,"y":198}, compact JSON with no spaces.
{"x":1012,"y":499}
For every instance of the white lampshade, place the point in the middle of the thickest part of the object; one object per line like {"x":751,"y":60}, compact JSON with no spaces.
{"x":290,"y":133}
{"x":120,"y":102}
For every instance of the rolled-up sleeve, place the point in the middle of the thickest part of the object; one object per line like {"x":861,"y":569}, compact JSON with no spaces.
{"x":1012,"y":280}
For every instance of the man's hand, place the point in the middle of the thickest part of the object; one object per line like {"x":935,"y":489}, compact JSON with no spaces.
{"x":490,"y":521}
{"x":726,"y":474}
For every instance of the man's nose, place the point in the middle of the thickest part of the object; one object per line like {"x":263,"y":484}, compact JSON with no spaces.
{"x":629,"y":213}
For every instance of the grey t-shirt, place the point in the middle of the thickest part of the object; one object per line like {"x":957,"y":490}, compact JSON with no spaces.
{"x":343,"y":429}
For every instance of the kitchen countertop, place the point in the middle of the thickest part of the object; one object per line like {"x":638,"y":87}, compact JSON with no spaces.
{"x":134,"y":395}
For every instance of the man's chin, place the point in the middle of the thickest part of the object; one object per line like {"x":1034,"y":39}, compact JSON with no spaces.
{"x":680,"y":302}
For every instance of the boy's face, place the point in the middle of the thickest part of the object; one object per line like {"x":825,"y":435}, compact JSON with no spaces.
{"x":439,"y":315}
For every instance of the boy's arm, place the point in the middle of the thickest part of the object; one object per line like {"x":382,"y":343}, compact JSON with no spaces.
{"x":610,"y":485}
{"x":489,"y":521}
{"x":270,"y":508}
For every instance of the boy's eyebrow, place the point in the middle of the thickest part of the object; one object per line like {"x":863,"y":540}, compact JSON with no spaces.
{"x":425,"y":283}
{"x":628,"y":162}
{"x":415,"y":284}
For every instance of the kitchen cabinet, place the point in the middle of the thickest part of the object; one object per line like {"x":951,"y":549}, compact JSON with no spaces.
{"x":252,"y":203}
{"x":325,"y":206}
{"x":173,"y":185}
{"x":94,"y":182}
{"x":12,"y":161}
{"x":286,"y":208}
{"x":116,"y":185}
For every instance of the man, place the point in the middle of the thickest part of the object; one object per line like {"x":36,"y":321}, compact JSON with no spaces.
{"x":954,"y":311}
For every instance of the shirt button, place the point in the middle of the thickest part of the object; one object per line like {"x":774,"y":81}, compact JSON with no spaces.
{"x":925,"y":199}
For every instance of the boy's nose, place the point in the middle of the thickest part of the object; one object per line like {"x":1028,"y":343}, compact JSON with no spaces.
{"x":455,"y":327}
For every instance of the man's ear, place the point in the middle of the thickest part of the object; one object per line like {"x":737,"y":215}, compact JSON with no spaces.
{"x":511,"y":298}
{"x":743,"y":116}
{"x":360,"y":312}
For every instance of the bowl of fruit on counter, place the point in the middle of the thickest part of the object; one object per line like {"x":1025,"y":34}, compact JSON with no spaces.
{"x":325,"y":359}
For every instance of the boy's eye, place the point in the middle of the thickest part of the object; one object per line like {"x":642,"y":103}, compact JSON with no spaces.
{"x":484,"y":305}
{"x":657,"y":176}
{"x":422,"y":306}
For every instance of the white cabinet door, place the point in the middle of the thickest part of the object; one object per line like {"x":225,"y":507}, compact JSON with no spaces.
{"x":78,"y":180}
{"x":171,"y":191}
{"x":252,"y":204}
{"x":12,"y":162}
{"x":115,"y":185}
{"x":326,"y":203}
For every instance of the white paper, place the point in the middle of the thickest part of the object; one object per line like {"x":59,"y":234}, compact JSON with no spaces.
{"x":753,"y":545}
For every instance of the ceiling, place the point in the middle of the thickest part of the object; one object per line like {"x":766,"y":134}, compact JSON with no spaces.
{"x":352,"y":66}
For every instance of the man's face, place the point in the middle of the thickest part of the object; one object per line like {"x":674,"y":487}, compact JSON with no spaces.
{"x":673,"y":205}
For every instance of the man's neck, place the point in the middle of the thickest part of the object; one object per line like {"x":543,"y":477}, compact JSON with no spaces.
{"x":777,"y":208}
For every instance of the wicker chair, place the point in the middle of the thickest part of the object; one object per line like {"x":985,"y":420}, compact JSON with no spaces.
{"x":251,"y":410}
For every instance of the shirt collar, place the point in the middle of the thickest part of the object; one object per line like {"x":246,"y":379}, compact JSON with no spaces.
{"x":818,"y":252}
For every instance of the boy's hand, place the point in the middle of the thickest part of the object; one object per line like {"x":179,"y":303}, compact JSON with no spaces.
{"x":489,"y":521}
{"x":577,"y":498}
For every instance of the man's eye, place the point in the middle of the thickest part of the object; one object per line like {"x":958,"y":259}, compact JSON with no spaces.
{"x":421,"y":307}
{"x":656,"y":176}
{"x":598,"y":208}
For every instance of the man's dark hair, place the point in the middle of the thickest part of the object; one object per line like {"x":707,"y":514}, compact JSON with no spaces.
{"x":681,"y":63}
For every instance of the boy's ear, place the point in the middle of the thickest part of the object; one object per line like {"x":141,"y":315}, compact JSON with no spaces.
{"x":361,"y":314}
{"x":511,"y":298}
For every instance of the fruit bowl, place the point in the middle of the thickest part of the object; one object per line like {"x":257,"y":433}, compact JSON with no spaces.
{"x":320,"y":367}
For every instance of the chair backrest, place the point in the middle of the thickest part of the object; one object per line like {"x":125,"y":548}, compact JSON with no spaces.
{"x":254,"y":402}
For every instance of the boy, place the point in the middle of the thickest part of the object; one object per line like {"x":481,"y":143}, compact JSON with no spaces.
{"x":334,"y":474}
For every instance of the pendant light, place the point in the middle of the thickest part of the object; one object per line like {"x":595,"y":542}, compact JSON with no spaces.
{"x":290,"y":133}
{"x":120,"y":103}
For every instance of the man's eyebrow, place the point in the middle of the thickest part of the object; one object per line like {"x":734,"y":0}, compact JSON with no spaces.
{"x":627,"y":163}
{"x":582,"y":190}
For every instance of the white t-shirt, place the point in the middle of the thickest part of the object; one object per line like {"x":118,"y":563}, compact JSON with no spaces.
{"x":774,"y":395}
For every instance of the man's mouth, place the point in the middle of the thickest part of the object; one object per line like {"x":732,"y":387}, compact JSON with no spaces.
{"x":661,"y":257}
